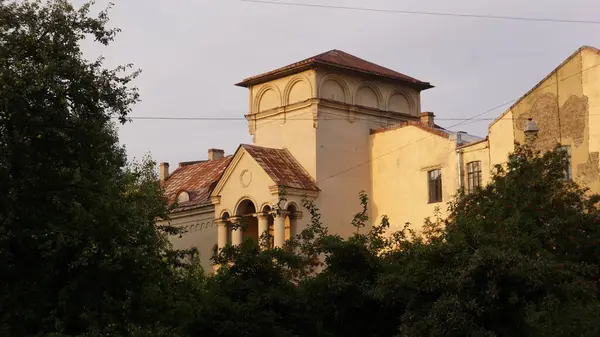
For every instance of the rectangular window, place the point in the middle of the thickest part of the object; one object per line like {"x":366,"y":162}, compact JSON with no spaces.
{"x":568,"y":169}
{"x":473,"y":176}
{"x":434,"y":179}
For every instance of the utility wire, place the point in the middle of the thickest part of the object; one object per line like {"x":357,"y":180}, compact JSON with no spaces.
{"x":474,"y":118}
{"x":397,"y":11}
{"x":450,"y":127}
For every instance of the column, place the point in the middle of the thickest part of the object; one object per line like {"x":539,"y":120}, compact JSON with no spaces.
{"x":280,"y":229}
{"x":236,"y":235}
{"x":221,"y":233}
{"x":263,"y":229}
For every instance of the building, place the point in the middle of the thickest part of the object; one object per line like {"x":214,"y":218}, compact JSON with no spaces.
{"x":333,"y":125}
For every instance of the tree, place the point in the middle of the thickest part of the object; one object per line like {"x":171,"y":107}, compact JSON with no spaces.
{"x":517,"y":258}
{"x":79,"y":249}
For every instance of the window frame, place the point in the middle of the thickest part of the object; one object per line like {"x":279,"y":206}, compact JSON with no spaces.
{"x":474,"y":177}
{"x":434,"y":186}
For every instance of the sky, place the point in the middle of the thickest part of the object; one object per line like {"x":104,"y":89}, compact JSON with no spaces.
{"x":192,"y":52}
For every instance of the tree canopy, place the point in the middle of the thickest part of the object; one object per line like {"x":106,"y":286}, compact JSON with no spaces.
{"x":81,"y":253}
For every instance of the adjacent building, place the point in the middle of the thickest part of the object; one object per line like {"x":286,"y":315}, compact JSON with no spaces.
{"x":333,"y":125}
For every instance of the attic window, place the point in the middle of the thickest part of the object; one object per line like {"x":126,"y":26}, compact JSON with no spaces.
{"x":183,"y":196}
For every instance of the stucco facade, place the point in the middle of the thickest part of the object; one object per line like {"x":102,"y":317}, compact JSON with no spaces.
{"x":333,"y":125}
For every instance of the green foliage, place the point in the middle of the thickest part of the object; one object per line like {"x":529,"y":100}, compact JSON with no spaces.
{"x":79,"y":249}
{"x":516,"y":258}
{"x":81,"y":254}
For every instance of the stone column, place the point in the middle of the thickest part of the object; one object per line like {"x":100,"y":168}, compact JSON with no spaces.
{"x":237,"y":235}
{"x":221,"y":233}
{"x":263,"y":227}
{"x":280,"y":229}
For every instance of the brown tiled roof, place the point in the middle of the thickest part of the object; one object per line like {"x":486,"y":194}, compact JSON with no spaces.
{"x":282,"y":167}
{"x":336,"y":59}
{"x":197,"y":179}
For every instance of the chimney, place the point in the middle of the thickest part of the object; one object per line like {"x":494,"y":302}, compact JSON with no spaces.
{"x":214,"y":154}
{"x":459,"y":138}
{"x":427,"y":119}
{"x":163,"y":171}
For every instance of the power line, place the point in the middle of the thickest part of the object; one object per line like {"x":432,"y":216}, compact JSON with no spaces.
{"x":397,"y":149}
{"x":397,"y":11}
{"x":224,"y":119}
{"x":474,"y":118}
{"x":450,"y":127}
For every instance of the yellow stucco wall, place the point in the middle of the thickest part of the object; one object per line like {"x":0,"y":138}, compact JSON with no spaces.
{"x":355,"y":90}
{"x":200,"y":233}
{"x":324,"y":119}
{"x":326,"y":124}
{"x":501,"y":139}
{"x":343,"y":146}
{"x":283,"y":91}
{"x":401,"y":159}
{"x":590,"y":78}
{"x":281,"y":114}
{"x":234,"y":191}
{"x":562,"y":105}
{"x":292,"y":130}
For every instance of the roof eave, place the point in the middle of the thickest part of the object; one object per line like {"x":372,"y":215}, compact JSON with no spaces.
{"x":294,"y":70}
{"x":273,"y":75}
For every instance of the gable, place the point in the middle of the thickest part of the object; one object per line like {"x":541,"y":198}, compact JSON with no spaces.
{"x":273,"y":167}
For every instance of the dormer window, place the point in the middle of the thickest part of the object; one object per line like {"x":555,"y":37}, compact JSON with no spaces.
{"x":183,"y":196}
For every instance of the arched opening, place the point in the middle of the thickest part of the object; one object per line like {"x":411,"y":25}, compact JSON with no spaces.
{"x":291,"y":220}
{"x":268,"y":212}
{"x":225,"y":217}
{"x":249,"y":223}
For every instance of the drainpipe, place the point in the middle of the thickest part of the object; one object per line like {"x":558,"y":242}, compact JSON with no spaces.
{"x":459,"y":158}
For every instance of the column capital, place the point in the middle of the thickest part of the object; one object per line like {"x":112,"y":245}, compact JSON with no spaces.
{"x":262,"y":216}
{"x":234,"y":219}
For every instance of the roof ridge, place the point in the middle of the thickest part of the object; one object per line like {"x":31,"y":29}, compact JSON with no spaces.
{"x":338,"y":59}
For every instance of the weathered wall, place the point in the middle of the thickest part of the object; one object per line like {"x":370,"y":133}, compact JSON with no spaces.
{"x":589,"y":171}
{"x":401,"y":159}
{"x":201,"y":233}
{"x":560,"y":107}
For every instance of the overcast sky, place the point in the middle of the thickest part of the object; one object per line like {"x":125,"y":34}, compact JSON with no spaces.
{"x":192,"y":52}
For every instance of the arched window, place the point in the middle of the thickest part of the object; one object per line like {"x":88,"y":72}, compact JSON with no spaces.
{"x":183,"y":196}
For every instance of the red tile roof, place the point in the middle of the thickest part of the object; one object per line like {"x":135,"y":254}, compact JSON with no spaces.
{"x":197,"y":179}
{"x":336,"y":59}
{"x":282,"y":167}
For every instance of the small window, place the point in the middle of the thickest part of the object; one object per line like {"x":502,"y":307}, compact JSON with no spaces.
{"x":434,"y":179}
{"x":473,"y":176}
{"x":183,"y":196}
{"x":568,"y":169}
